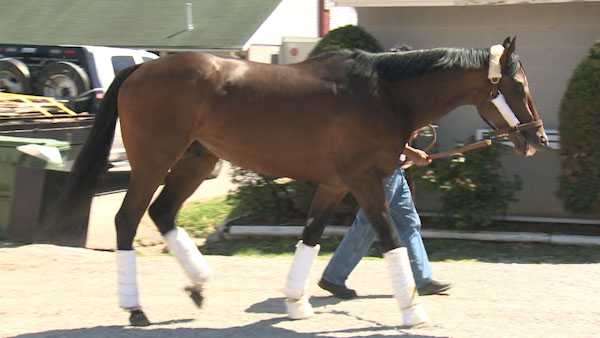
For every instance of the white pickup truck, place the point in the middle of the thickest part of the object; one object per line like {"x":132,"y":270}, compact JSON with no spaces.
{"x":78,"y":74}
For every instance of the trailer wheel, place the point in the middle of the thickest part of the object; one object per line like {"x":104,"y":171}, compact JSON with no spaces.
{"x":64,"y":81}
{"x":14,"y":76}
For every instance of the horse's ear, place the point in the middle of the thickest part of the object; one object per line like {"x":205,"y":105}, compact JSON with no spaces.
{"x":509,"y":48}
{"x":513,"y":44}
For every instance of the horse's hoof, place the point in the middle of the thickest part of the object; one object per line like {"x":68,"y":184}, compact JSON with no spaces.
{"x":138,"y":318}
{"x":414,"y":316}
{"x":195,"y":292}
{"x":298,"y":308}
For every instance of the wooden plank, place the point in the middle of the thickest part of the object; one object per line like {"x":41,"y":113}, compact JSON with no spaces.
{"x":30,"y":104}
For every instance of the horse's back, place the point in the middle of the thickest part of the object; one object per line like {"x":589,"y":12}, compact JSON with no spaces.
{"x":264,"y":117}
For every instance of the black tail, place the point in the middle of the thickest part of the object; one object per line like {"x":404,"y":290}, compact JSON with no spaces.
{"x":92,"y":161}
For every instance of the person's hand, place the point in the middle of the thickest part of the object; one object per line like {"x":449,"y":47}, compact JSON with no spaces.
{"x":417,"y":156}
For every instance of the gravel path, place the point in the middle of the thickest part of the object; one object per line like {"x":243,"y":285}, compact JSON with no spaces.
{"x":49,"y":291}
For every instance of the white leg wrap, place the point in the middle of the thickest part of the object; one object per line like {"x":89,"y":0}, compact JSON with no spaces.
{"x":297,"y":279}
{"x":298,"y":308}
{"x":296,"y":286}
{"x":127,"y":280}
{"x":403,"y":284}
{"x":184,"y":249}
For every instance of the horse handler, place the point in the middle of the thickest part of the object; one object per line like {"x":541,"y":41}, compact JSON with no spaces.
{"x":360,"y":237}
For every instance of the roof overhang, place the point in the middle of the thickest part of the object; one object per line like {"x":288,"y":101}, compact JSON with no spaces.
{"x":433,"y":3}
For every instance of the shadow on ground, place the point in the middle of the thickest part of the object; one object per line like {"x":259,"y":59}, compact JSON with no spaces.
{"x":277,"y":305}
{"x":439,"y":250}
{"x":263,"y":328}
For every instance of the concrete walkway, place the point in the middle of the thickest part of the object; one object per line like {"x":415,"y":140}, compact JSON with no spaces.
{"x":50,"y":291}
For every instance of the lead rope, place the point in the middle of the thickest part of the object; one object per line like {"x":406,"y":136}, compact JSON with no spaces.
{"x":443,"y":154}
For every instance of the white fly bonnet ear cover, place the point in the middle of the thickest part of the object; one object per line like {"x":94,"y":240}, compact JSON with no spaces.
{"x":494,"y":75}
{"x":495,"y":70}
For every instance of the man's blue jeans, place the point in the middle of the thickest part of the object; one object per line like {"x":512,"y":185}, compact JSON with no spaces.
{"x":361,"y":235}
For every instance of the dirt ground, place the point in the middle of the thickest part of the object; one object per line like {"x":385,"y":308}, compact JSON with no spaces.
{"x":49,"y":291}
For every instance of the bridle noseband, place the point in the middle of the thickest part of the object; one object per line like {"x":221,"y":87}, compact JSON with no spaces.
{"x":498,"y":100}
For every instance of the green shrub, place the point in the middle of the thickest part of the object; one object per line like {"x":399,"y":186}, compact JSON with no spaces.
{"x":265,"y":199}
{"x":473,"y":188}
{"x":347,"y":37}
{"x":580,"y":137}
{"x":262,"y":199}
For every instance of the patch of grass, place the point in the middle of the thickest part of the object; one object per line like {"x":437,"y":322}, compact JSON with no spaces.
{"x":501,"y":252}
{"x":267,"y":246}
{"x":201,"y":218}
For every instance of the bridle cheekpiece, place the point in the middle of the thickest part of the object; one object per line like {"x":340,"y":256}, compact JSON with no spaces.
{"x":499,"y":101}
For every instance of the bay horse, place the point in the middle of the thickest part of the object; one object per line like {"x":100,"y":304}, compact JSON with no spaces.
{"x":340,"y":120}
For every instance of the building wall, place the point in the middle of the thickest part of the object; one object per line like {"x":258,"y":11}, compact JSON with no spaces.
{"x":551,"y":40}
{"x":293,"y":19}
{"x":290,"y":18}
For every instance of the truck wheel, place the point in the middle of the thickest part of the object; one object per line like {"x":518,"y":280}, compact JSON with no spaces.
{"x":64,"y":81}
{"x":14,"y":76}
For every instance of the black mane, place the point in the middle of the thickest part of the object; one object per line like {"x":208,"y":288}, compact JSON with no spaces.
{"x":365,"y":70}
{"x":398,"y":66}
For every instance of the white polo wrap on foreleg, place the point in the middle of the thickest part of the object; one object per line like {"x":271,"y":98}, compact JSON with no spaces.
{"x":297,"y":279}
{"x":405,"y":290}
{"x":297,"y":304}
{"x":127,"y":280}
{"x":185,"y":250}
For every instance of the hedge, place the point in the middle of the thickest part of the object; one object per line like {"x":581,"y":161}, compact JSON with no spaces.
{"x":347,"y":37}
{"x":579,"y":119}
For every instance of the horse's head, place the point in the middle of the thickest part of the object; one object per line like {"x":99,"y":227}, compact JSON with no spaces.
{"x":509,"y":109}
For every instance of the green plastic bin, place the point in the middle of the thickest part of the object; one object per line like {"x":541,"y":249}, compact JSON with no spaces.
{"x":10,"y":160}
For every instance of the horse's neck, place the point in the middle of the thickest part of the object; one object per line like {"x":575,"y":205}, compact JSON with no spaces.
{"x":434,"y":95}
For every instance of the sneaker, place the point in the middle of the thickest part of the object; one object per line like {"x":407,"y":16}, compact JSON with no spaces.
{"x":339,"y":291}
{"x":433,"y":287}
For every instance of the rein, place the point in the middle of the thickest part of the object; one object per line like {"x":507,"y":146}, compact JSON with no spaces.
{"x":447,"y":153}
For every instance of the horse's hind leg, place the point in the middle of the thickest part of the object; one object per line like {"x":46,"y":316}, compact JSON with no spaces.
{"x":141,"y":188}
{"x":322,"y":206}
{"x":187,"y":174}
{"x":149,"y":169}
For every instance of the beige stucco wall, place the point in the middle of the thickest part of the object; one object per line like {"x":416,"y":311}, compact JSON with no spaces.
{"x":551,"y":40}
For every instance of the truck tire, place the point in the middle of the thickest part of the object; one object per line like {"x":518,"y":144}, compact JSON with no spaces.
{"x":64,"y":81}
{"x":14,"y":76}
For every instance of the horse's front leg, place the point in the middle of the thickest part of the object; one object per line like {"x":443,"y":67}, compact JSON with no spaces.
{"x":296,"y":288}
{"x":368,"y":191}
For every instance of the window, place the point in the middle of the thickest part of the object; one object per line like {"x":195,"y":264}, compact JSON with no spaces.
{"x":121,"y":62}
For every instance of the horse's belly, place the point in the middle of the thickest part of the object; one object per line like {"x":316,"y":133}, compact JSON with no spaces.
{"x":294,"y":155}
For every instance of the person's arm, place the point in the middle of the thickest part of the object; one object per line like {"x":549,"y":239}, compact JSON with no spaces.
{"x":417,"y":156}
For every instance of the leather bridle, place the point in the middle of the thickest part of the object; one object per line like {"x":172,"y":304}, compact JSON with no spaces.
{"x":498,"y":100}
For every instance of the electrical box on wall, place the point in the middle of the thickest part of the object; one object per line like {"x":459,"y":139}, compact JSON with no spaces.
{"x":296,"y":49}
